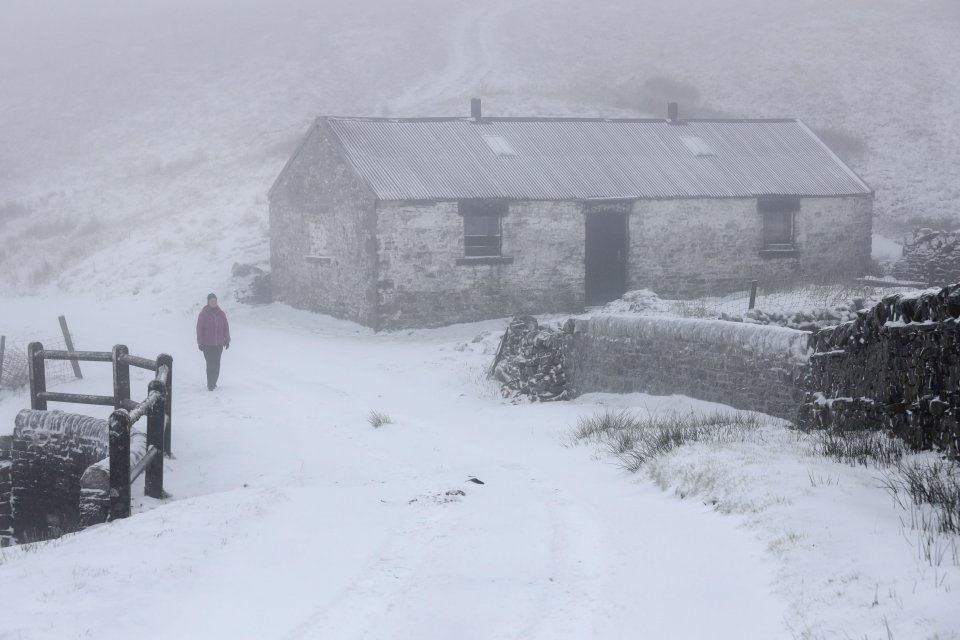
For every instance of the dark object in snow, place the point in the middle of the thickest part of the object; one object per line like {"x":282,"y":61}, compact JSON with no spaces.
{"x":254,"y":285}
{"x":530,"y":361}
{"x":457,"y":492}
{"x":475,"y":480}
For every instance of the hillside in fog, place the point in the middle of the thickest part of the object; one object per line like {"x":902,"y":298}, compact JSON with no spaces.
{"x":170,"y":120}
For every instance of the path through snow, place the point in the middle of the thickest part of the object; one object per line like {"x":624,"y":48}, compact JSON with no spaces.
{"x":293,"y":518}
{"x":472,"y":59}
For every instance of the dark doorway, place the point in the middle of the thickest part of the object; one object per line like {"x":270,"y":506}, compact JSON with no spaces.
{"x":606,"y":255}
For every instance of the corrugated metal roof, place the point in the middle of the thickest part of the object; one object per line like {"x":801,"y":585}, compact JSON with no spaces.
{"x":566,"y":159}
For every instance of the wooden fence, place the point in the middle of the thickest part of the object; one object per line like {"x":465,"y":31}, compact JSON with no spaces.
{"x":156,"y":407}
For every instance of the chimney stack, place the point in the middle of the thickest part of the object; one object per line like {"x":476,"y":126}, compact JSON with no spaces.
{"x":475,"y":111}
{"x":673,"y":111}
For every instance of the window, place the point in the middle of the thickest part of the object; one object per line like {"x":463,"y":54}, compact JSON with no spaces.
{"x":698,"y":147}
{"x":778,"y":217}
{"x":499,"y":145}
{"x":481,"y":227}
{"x":317,"y":242}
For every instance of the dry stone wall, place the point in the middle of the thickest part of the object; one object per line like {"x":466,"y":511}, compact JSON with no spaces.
{"x":49,"y":452}
{"x":754,"y":367}
{"x":6,"y":519}
{"x":896,"y":366}
{"x":530,"y":362}
{"x":930,"y":256}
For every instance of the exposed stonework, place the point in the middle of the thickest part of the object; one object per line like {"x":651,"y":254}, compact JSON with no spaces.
{"x":754,"y":367}
{"x":322,"y":235}
{"x":6,"y":518}
{"x":389,"y":264}
{"x":423,"y":281}
{"x":530,"y":362}
{"x":50,"y":450}
{"x":930,"y":256}
{"x":694,"y":247}
{"x":897,"y":367}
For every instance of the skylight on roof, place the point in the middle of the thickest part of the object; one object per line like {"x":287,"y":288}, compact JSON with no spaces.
{"x":698,"y":147}
{"x":499,"y":145}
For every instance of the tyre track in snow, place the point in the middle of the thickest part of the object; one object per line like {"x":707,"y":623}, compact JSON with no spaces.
{"x":545,"y":565}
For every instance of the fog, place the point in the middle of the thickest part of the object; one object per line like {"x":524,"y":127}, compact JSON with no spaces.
{"x":104,"y":100}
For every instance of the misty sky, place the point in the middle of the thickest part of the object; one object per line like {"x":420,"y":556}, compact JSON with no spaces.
{"x":102,"y":90}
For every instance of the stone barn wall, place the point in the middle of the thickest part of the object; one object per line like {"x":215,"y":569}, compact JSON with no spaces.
{"x":49,"y":452}
{"x":424,"y":280}
{"x":897,"y":366}
{"x":322,"y":244}
{"x":700,"y":246}
{"x":754,"y":367}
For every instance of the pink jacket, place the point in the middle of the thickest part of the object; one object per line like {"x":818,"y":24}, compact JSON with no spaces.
{"x":213,"y":330}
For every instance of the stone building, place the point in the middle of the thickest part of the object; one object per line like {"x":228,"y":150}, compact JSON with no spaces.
{"x":416,"y":222}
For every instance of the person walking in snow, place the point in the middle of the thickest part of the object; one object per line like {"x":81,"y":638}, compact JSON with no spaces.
{"x":213,"y":336}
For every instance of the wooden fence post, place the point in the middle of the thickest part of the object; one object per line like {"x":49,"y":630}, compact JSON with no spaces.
{"x":156,"y":416}
{"x":38,"y":376}
{"x":753,"y":294}
{"x":121,"y":376}
{"x":164,"y":359}
{"x":119,"y":464}
{"x":67,"y":340}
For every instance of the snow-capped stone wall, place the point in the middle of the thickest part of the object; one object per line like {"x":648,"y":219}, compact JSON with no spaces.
{"x":895,"y":366}
{"x":49,"y":452}
{"x":6,"y":520}
{"x":756,"y":367}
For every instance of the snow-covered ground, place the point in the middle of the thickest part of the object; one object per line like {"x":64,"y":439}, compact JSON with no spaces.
{"x":139,"y":144}
{"x":290,"y":516}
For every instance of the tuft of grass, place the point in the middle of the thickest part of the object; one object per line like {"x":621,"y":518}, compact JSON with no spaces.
{"x":861,"y":447}
{"x":936,"y":484}
{"x":377,"y":419}
{"x":929,"y":491}
{"x":636,"y":439}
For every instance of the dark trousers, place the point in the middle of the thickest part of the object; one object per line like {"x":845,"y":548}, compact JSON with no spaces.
{"x":212,"y":355}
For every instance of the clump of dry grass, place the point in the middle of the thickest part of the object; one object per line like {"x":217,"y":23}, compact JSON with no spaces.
{"x":378,"y":419}
{"x":636,"y":439}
